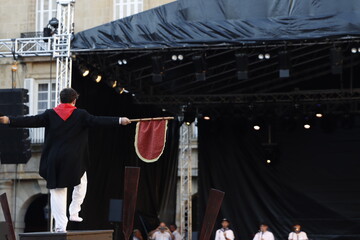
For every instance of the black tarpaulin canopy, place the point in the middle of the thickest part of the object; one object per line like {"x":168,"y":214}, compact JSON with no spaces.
{"x":191,"y":23}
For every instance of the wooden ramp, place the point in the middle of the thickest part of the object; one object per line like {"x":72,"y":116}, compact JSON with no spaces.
{"x":71,"y":235}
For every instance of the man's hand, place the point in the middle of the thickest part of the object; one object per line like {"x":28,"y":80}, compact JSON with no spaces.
{"x":6,"y":120}
{"x":125,"y":121}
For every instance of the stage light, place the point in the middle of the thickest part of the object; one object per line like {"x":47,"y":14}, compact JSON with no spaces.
{"x":354,"y":50}
{"x":268,"y":161}
{"x":112,"y":83}
{"x":122,"y":62}
{"x":174,"y":57}
{"x":200,"y":67}
{"x":307,"y":126}
{"x":319,"y":115}
{"x":337,"y":60}
{"x":256,"y":127}
{"x":180,"y":57}
{"x":359,"y":50}
{"x":261,"y":56}
{"x":189,"y":116}
{"x":96,"y":77}
{"x":123,"y":90}
{"x":242,"y":63}
{"x":84,"y":71}
{"x":207,"y":118}
{"x":54,"y":22}
{"x":284,"y":64}
{"x":267,"y":55}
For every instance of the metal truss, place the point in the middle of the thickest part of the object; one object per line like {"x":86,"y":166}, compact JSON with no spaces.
{"x":26,"y":47}
{"x":185,"y":164}
{"x":289,"y":97}
{"x":62,"y":41}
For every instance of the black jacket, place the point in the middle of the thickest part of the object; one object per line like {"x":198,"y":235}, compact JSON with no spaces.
{"x":65,"y":153}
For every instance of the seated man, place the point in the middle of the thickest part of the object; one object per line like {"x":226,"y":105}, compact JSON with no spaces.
{"x":264,"y":234}
{"x":162,"y":232}
{"x":297,"y":234}
{"x":65,"y":152}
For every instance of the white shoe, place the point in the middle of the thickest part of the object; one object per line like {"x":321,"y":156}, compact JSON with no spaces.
{"x":75,"y":218}
{"x":60,"y":230}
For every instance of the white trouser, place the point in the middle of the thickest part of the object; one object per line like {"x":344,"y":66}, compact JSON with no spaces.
{"x":58,"y":197}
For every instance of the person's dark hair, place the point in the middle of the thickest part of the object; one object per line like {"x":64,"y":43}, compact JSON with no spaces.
{"x":264,"y":224}
{"x":173,"y":224}
{"x":68,"y":95}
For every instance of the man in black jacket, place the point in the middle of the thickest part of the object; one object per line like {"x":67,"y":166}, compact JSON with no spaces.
{"x":65,"y":151}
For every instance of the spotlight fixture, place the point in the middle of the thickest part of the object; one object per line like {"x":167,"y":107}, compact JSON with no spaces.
{"x":54,"y":22}
{"x":337,"y":60}
{"x":96,"y":77}
{"x":122,"y":61}
{"x":307,"y":126}
{"x":268,"y":161}
{"x":242,"y":62}
{"x":189,"y":115}
{"x":200,"y":67}
{"x":207,"y":118}
{"x":84,"y":71}
{"x":354,"y":50}
{"x":272,"y":153}
{"x":319,"y":115}
{"x":319,"y":111}
{"x":174,"y":57}
{"x":256,"y":127}
{"x":158,"y":68}
{"x":121,"y":90}
{"x":284,"y":64}
{"x":112,"y":83}
{"x":263,"y":56}
{"x":180,"y":57}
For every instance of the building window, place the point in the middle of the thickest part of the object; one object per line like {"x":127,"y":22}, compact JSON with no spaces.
{"x":45,"y":10}
{"x":124,"y":8}
{"x":41,"y":97}
{"x":46,"y":98}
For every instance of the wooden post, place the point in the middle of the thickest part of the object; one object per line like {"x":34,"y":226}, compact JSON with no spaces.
{"x":212,"y":210}
{"x":131,"y":184}
{"x":6,"y":210}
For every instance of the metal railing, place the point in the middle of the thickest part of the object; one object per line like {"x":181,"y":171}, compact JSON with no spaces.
{"x":26,"y":47}
{"x":37,"y":135}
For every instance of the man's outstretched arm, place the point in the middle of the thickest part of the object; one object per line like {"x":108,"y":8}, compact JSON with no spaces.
{"x":28,"y":121}
{"x":92,"y":120}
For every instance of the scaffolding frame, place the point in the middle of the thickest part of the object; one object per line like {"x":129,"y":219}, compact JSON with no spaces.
{"x":185,"y":163}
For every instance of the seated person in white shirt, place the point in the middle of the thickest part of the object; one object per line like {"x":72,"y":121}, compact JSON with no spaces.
{"x":224,"y":233}
{"x":297,"y":234}
{"x":173,"y":229}
{"x":137,"y":235}
{"x":263,"y":233}
{"x":162,"y":232}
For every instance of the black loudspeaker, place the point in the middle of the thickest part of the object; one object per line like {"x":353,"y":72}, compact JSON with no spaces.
{"x":14,"y":143}
{"x":115,"y":210}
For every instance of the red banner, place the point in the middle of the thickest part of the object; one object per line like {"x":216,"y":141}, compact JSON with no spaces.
{"x":150,"y":139}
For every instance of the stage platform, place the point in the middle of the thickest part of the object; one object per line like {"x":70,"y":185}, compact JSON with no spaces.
{"x":71,"y":235}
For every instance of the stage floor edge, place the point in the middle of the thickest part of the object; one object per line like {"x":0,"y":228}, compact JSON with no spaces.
{"x":70,"y":235}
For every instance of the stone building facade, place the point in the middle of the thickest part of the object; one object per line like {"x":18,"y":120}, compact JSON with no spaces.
{"x":25,"y":189}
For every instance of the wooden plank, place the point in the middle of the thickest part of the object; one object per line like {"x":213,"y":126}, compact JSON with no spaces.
{"x":7,"y":215}
{"x":71,"y":235}
{"x":212,"y":210}
{"x":131,"y":184}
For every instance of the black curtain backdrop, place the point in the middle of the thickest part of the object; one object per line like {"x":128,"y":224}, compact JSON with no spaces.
{"x":111,"y":149}
{"x":315,"y":181}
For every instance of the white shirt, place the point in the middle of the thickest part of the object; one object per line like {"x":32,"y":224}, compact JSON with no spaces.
{"x":177,"y":235}
{"x":264,"y":236}
{"x":299,"y":236}
{"x":161,"y":236}
{"x":220,"y":234}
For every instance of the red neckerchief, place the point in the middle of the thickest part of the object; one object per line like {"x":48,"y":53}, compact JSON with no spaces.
{"x":64,"y":110}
